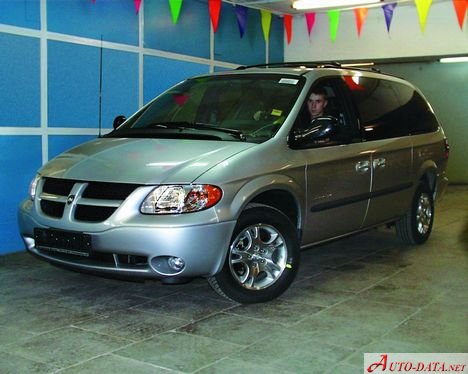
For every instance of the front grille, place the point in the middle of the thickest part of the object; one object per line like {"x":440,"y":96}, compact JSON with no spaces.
{"x":102,"y":198}
{"x":110,"y":191}
{"x":93,"y":213}
{"x":60,"y":187}
{"x":52,"y":208}
{"x":95,"y":258}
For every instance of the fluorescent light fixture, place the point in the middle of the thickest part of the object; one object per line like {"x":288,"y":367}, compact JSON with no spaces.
{"x":454,"y":59}
{"x":326,"y":4}
{"x":357,"y":64}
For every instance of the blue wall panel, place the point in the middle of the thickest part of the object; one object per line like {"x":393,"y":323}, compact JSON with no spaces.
{"x":22,"y":13}
{"x":230,"y":47}
{"x":76,"y":77}
{"x":162,"y":73}
{"x":19,"y":159}
{"x":61,"y":143}
{"x":19,"y":81}
{"x":190,"y":36}
{"x":119,"y":85}
{"x":276,"y":40}
{"x":73,"y":84}
{"x":115,"y":20}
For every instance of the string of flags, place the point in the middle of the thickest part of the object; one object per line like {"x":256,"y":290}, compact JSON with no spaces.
{"x":241,"y":12}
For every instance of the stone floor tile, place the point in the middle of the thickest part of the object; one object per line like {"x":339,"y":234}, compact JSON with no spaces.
{"x":64,"y":347}
{"x":179,"y":351}
{"x":115,"y":364}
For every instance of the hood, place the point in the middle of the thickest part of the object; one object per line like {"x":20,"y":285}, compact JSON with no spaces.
{"x":141,"y":161}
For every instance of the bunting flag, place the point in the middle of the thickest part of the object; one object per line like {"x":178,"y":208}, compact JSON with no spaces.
{"x":215,"y":10}
{"x":388,"y":13}
{"x":266,"y":23}
{"x":137,"y":5}
{"x":288,"y":27}
{"x":360,"y":14}
{"x":461,"y":7}
{"x":241,"y":15}
{"x":175,"y":6}
{"x":334,"y":16}
{"x":310,"y":20}
{"x":423,"y":9}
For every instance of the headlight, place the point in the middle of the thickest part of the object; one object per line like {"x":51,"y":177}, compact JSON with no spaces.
{"x":33,"y":186}
{"x":180,"y":199}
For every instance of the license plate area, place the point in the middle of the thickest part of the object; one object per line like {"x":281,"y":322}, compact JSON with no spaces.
{"x":69,"y":242}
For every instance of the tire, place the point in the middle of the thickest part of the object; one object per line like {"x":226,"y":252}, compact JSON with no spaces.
{"x":416,"y":226}
{"x":262,"y":259}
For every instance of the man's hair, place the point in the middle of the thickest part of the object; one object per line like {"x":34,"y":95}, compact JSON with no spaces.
{"x":319,"y":91}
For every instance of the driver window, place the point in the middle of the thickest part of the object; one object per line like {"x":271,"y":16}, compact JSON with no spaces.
{"x":325,"y":99}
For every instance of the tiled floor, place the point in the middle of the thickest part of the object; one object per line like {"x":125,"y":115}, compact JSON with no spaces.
{"x":362,"y":294}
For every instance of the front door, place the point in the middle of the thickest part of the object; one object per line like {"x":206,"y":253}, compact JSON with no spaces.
{"x":338,"y":168}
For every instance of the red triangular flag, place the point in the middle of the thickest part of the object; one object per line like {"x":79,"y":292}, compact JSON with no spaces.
{"x":137,"y":5}
{"x":461,"y":7}
{"x":288,"y":26}
{"x":310,"y":19}
{"x":215,"y":9}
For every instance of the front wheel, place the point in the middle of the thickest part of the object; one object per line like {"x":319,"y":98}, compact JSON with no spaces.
{"x":262,"y":259}
{"x":416,"y":226}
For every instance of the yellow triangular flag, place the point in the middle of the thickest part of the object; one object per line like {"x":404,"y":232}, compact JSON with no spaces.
{"x":266,"y":23}
{"x":423,"y":9}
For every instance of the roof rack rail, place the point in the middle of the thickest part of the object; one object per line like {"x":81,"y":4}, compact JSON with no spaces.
{"x":304,"y":64}
{"x":309,"y":64}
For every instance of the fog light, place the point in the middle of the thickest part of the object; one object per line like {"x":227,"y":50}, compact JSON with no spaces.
{"x":176,"y":263}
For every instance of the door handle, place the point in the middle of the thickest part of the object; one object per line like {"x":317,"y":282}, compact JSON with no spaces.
{"x":379,"y":163}
{"x":362,"y":166}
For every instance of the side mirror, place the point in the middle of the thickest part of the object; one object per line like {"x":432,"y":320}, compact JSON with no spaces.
{"x":118,"y":121}
{"x":320,"y":128}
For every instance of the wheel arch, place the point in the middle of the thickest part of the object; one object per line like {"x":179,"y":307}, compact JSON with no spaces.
{"x":277,"y":191}
{"x":428,"y":173}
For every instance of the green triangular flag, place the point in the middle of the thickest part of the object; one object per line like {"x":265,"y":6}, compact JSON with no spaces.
{"x":175,"y":6}
{"x":334,"y":16}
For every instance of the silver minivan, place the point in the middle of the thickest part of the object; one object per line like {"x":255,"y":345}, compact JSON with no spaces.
{"x":229,"y":175}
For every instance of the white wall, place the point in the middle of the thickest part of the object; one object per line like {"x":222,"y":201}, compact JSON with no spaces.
{"x":442,"y":36}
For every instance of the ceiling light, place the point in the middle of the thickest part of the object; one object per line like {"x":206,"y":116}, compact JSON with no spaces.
{"x":454,"y":59}
{"x":321,"y":4}
{"x":357,"y":64}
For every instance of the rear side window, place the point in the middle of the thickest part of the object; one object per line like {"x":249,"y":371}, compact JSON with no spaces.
{"x":389,"y":109}
{"x":420,"y":117}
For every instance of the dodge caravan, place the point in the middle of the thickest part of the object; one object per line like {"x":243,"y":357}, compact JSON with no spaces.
{"x":228,"y":176}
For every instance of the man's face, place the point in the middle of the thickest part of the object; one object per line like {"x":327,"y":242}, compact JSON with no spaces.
{"x":316,"y":104}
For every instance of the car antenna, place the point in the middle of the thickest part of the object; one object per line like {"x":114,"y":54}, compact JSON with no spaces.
{"x":100,"y":92}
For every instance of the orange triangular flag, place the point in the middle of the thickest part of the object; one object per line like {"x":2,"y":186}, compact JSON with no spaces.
{"x":361,"y":14}
{"x":461,"y":7}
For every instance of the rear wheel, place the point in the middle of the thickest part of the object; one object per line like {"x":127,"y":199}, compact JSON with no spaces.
{"x":416,"y":226}
{"x":262,"y":259}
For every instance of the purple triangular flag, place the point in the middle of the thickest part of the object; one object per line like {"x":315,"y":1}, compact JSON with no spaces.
{"x":388,"y":12}
{"x":241,"y":14}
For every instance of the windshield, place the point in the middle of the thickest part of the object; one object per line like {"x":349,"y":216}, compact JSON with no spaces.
{"x":226,"y":107}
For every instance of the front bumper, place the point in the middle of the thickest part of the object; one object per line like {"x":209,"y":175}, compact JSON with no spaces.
{"x":139,"y":251}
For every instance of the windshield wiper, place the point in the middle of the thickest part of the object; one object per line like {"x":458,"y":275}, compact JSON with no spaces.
{"x":198,"y":125}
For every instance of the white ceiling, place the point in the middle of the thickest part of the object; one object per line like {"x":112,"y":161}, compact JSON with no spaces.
{"x":284,"y":6}
{"x":274,"y":6}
